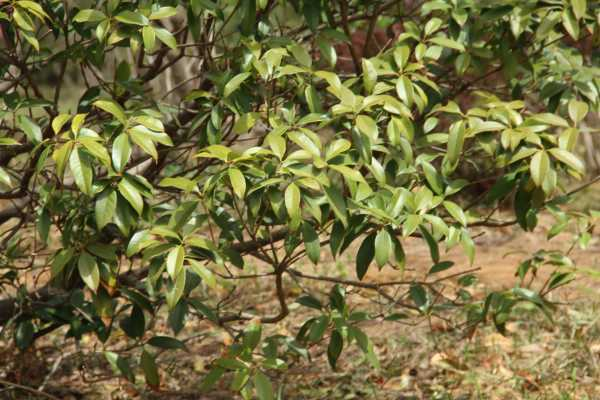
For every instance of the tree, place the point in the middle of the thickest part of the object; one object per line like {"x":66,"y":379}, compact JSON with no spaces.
{"x":149,"y":149}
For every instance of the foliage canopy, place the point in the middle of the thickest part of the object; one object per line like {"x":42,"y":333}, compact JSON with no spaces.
{"x":199,"y":135}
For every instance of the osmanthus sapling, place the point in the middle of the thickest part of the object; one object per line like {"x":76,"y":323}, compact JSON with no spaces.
{"x":207,"y":133}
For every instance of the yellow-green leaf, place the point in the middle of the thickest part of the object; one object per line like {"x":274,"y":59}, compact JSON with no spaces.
{"x":539,"y":166}
{"x":579,"y":8}
{"x":577,"y":110}
{"x":166,"y":37}
{"x":131,"y":194}
{"x":568,"y":158}
{"x":456,"y":212}
{"x":81,"y":170}
{"x":292,"y":203}
{"x":112,"y":108}
{"x":59,"y":121}
{"x":383,"y":247}
{"x":238,"y":182}
{"x":149,"y":38}
{"x":175,"y":261}
{"x":234,"y":83}
{"x":88,"y":270}
{"x":105,"y":207}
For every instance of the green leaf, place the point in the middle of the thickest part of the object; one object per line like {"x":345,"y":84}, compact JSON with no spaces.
{"x":77,"y":123}
{"x":150,"y":370}
{"x":337,"y":203}
{"x":182,"y":214}
{"x":551,"y":119}
{"x":570,"y":23}
{"x":159,"y":137}
{"x":579,"y":8}
{"x":212,"y":377}
{"x":309,"y":301}
{"x":248,"y":23}
{"x":175,"y":261}
{"x":244,"y":123}
{"x":369,"y":75}
{"x":305,"y":142}
{"x":6,"y":141}
{"x":163,"y":12}
{"x":348,"y":173}
{"x":31,"y":39}
{"x":411,"y":224}
{"x":367,"y":125}
{"x":441,"y":266}
{"x":401,"y":55}
{"x":102,"y":30}
{"x":336,"y":344}
{"x":132,"y":18}
{"x":138,"y":241}
{"x":456,"y":212}
{"x":234,"y":83}
{"x":365,"y":255}
{"x":166,"y":342}
{"x":61,"y":259}
{"x":96,"y":149}
{"x":120,"y":365}
{"x":176,"y":291}
{"x":238,"y":182}
{"x":468,"y":246}
{"x":445,"y":42}
{"x":23,"y":20}
{"x":301,"y":55}
{"x":313,"y":100}
{"x":264,"y":387}
{"x":121,"y":152}
{"x":166,"y":37}
{"x":312,"y":243}
{"x":418,"y":296}
{"x":405,"y":91}
{"x":383,"y":247}
{"x":252,"y":335}
{"x":432,"y":176}
{"x":456,"y":140}
{"x":206,"y":274}
{"x":185,"y":184}
{"x":112,"y":108}
{"x":577,"y":110}
{"x":24,"y":334}
{"x":31,"y":129}
{"x":539,"y":167}
{"x":89,"y":15}
{"x":59,"y":121}
{"x":432,"y":243}
{"x":105,"y":208}
{"x":292,"y":202}
{"x":131,"y":194}
{"x":144,"y":141}
{"x":88,"y":270}
{"x":33,"y":7}
{"x":5,"y":178}
{"x":149,"y":38}
{"x":568,"y":159}
{"x":81,"y":170}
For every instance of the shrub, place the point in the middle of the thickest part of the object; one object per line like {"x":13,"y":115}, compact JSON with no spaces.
{"x":151,"y":149}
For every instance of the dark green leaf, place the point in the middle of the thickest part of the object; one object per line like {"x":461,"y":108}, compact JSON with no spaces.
{"x":166,"y":342}
{"x":365,"y":255}
{"x":336,"y":344}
